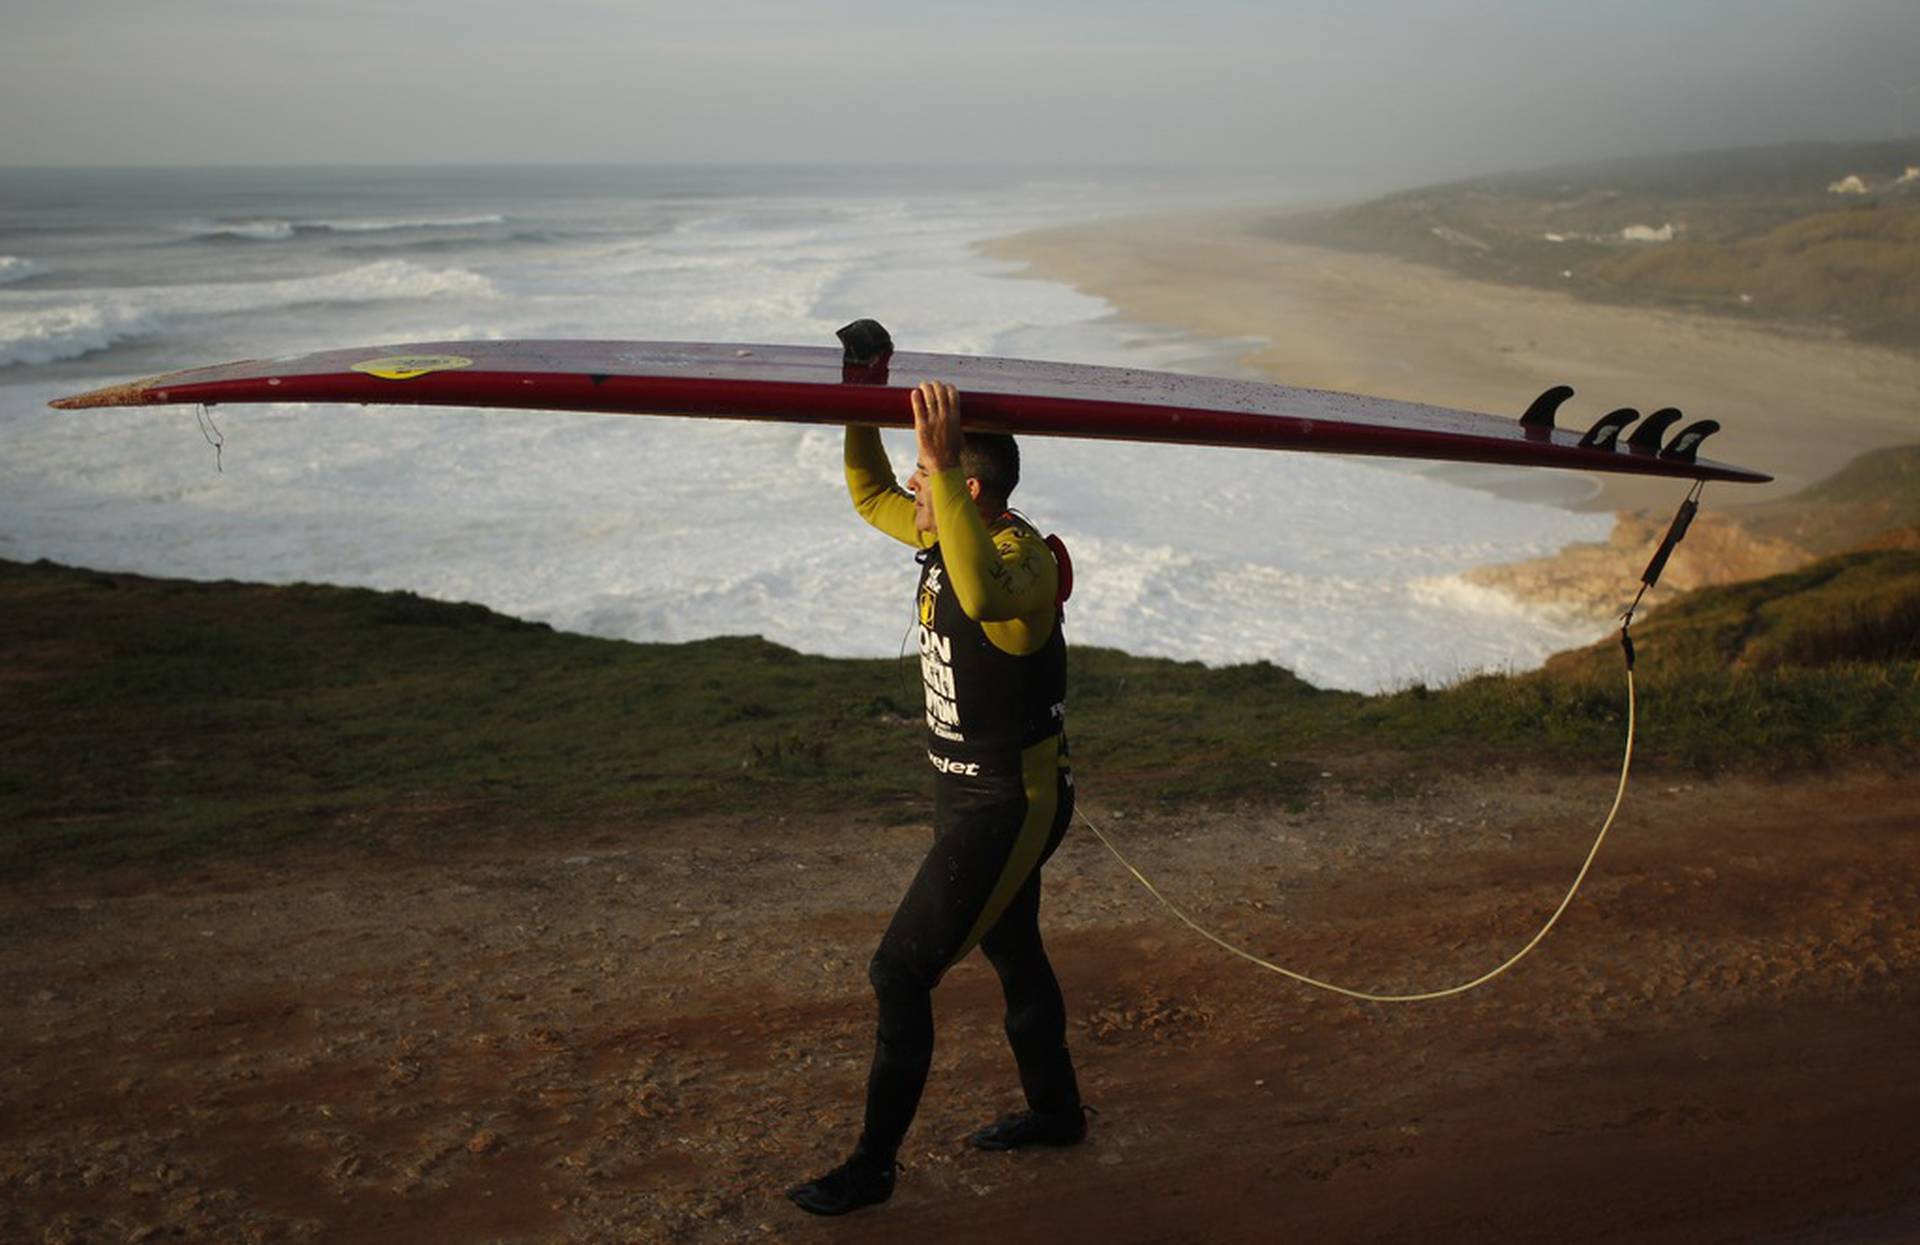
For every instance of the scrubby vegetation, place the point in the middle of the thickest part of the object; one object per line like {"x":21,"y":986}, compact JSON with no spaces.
{"x":1873,"y":500}
{"x":1814,"y":666}
{"x":1757,"y":233}
{"x":146,"y":720}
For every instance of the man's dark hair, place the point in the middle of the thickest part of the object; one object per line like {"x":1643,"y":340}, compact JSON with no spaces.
{"x":993,"y":459}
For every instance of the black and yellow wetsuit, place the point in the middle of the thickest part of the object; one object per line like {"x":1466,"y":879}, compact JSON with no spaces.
{"x":993,"y":663}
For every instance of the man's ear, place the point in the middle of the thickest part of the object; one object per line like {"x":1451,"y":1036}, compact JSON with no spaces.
{"x":973,"y":488}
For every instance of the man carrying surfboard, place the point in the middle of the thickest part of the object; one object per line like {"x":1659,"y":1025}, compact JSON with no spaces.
{"x":993,"y":661}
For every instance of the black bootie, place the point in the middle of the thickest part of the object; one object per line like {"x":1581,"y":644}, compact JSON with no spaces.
{"x":860,"y":1181}
{"x":1033,"y":1128}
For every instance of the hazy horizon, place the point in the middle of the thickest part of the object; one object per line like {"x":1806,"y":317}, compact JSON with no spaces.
{"x":1390,"y":93}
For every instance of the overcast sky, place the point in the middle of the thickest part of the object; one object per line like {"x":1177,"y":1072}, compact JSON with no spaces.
{"x":1393,"y":88}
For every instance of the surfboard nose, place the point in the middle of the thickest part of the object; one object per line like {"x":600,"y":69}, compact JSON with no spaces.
{"x":133,"y":393}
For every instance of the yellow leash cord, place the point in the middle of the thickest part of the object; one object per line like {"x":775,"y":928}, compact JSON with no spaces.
{"x":1675,"y":532}
{"x":1366,"y":995}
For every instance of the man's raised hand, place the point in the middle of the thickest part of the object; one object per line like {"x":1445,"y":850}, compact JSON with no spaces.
{"x":936,"y":424}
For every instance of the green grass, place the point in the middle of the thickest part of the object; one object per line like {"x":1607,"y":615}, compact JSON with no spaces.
{"x":148,"y":720}
{"x":1815,"y":666}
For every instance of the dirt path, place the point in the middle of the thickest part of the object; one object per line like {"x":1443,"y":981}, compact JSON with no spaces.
{"x":645,"y":1034}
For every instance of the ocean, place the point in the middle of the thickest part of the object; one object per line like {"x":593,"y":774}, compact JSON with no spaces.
{"x":1346,"y":571}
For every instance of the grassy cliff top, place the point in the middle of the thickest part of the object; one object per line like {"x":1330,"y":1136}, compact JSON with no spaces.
{"x":147,"y":720}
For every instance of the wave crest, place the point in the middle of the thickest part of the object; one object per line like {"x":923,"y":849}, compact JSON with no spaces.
{"x":14,"y":268}
{"x":276,"y":229}
{"x":50,"y":334}
{"x":383,"y":225}
{"x":383,"y":279}
{"x":251,"y":229}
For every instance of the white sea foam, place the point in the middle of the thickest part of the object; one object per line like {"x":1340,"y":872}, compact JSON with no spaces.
{"x":381,"y":280}
{"x":45,"y":331}
{"x":653,"y":529}
{"x":1456,"y":592}
{"x":277,"y":229}
{"x":672,"y":530}
{"x":14,"y":268}
{"x":1504,"y":632}
{"x":382,"y":225}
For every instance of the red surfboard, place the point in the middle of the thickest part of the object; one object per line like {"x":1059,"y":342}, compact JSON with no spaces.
{"x":867,"y":383}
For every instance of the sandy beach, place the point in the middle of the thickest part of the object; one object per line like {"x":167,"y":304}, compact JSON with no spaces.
{"x":1797,"y":406}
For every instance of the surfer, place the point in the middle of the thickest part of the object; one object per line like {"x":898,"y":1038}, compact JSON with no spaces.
{"x":993,"y":661}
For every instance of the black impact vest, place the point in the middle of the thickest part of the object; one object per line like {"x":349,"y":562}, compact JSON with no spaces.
{"x":980,"y":698}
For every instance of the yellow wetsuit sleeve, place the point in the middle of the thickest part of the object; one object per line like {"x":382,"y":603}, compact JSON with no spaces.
{"x":1005,"y":579}
{"x":877,"y":496}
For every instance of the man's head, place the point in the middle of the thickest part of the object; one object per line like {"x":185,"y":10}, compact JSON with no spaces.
{"x":990,"y":461}
{"x":993,"y":459}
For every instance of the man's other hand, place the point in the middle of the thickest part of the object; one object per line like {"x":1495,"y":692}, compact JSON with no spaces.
{"x":936,"y":424}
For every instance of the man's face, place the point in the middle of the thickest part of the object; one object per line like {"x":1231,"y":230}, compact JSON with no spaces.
{"x":922,"y":498}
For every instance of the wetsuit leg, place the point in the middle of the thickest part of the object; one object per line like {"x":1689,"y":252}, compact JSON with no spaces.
{"x":1036,"y":1013}
{"x":989,"y":839}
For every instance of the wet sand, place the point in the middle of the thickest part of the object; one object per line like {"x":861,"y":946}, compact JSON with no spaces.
{"x":1795,"y":405}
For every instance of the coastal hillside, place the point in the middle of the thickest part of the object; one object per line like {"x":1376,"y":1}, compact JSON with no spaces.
{"x":1871,"y":503}
{"x":1821,"y":237}
{"x":337,"y":914}
{"x":1874,"y":500}
{"x":148,"y":720}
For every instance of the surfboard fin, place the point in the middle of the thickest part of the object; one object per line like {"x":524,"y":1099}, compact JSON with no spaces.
{"x":1646,"y":438}
{"x":1685,"y":445}
{"x":1606,"y":430}
{"x":1540,"y":414}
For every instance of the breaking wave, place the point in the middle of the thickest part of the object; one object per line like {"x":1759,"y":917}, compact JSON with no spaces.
{"x":13,"y":268}
{"x":383,"y":279}
{"x":378,"y":225}
{"x":276,"y":229}
{"x":50,"y":332}
{"x":252,"y":230}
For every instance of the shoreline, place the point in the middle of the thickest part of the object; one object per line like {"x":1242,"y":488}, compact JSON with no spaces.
{"x":1365,"y":323}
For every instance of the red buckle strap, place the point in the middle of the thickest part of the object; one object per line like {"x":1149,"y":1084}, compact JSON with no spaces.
{"x":1065,"y":564}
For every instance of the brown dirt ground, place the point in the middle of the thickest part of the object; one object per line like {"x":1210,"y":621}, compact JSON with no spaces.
{"x":646,"y":1033}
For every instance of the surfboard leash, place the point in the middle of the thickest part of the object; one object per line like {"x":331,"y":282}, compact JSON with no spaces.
{"x":211,"y":431}
{"x":1676,"y":531}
